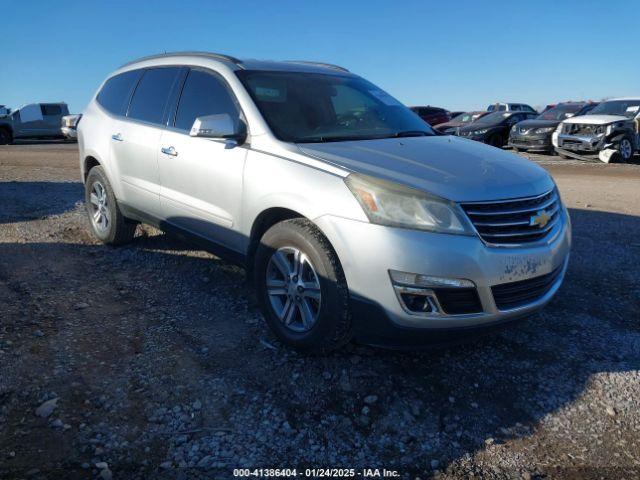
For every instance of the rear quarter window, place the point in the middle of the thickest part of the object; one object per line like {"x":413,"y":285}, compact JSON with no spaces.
{"x":51,"y":109}
{"x":114,"y":96}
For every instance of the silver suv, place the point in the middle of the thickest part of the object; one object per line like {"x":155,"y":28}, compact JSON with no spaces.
{"x":354,"y":218}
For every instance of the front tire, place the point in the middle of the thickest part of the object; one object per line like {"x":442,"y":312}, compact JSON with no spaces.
{"x":301,"y":287}
{"x":625,"y":149}
{"x":106,"y":220}
{"x":5,"y":136}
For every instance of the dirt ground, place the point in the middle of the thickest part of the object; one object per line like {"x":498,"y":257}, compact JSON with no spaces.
{"x":150,"y":360}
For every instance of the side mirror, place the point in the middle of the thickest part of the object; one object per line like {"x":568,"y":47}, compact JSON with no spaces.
{"x":220,"y":126}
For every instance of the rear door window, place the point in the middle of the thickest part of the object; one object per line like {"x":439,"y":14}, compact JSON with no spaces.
{"x":151,"y":95}
{"x":203,"y":94}
{"x":115,"y":94}
{"x":51,"y":109}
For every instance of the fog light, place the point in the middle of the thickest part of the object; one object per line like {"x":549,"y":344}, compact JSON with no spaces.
{"x":416,"y":303}
{"x":417,"y":279}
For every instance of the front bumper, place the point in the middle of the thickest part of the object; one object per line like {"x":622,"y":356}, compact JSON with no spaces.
{"x":531,"y":142}
{"x":367,"y":252}
{"x":70,"y":133}
{"x":581,"y":144}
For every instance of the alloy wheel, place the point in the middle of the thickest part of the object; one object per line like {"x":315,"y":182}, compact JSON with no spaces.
{"x":626,"y":150}
{"x":293,"y":288}
{"x":100,"y":214}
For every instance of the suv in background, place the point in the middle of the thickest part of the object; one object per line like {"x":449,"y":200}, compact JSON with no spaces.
{"x":432,"y":115}
{"x":493,"y":128}
{"x":4,"y":110}
{"x":35,"y":120}
{"x":510,"y":107}
{"x":535,"y":134}
{"x":612,"y":129}
{"x":353,"y":217}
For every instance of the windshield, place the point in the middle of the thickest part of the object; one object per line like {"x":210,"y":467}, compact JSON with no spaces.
{"x":314,"y":107}
{"x":560,"y":112}
{"x":465,"y":117}
{"x":626,"y":108}
{"x":494,"y":118}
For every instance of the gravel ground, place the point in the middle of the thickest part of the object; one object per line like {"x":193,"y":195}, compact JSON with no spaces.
{"x":152,"y":361}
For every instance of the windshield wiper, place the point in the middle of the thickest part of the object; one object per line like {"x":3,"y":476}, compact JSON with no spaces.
{"x":412,"y":133}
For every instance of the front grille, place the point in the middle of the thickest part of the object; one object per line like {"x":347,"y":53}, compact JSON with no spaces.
{"x":582,"y":129}
{"x":521,"y":220}
{"x":517,"y":294}
{"x":458,"y":301}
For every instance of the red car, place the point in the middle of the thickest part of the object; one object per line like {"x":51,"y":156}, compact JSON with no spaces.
{"x":432,"y":115}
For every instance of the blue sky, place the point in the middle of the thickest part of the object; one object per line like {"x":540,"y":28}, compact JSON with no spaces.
{"x":460,"y":55}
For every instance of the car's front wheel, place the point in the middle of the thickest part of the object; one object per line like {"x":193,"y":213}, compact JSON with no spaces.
{"x":625,"y":149}
{"x":106,"y":220}
{"x":301,"y":287}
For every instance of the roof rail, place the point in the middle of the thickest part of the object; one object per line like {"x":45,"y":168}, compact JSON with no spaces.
{"x":319,"y":64}
{"x":216,"y":56}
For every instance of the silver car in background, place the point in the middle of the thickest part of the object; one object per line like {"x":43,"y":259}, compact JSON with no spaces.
{"x":354,"y":218}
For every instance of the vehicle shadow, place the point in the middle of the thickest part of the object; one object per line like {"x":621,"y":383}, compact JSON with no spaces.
{"x":359,"y":407}
{"x":21,"y":201}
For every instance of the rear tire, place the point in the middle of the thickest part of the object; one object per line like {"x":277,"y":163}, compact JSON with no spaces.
{"x":5,"y":136}
{"x":106,"y":220}
{"x":301,"y":288}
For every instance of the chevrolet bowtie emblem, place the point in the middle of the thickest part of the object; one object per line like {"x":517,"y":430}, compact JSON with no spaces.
{"x":540,"y":219}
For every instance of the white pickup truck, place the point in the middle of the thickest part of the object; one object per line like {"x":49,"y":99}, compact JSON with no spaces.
{"x":609,"y":132}
{"x":35,"y":120}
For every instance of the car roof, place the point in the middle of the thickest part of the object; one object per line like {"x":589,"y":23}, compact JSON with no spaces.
{"x":621,"y":99}
{"x":246,"y":64}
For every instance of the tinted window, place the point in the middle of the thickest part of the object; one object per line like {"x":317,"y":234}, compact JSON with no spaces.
{"x":203,"y":94}
{"x":151,"y":95}
{"x":51,"y":109}
{"x":115,"y":94}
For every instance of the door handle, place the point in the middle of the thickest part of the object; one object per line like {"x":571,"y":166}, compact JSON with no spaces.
{"x":169,"y":151}
{"x":117,"y":137}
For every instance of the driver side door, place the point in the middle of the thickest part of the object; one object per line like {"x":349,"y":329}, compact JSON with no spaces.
{"x":201,"y":178}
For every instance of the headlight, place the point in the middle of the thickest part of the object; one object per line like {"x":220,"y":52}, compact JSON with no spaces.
{"x":387,"y":203}
{"x":545,"y":130}
{"x":480,"y":132}
{"x":612,"y":127}
{"x":513,"y":129}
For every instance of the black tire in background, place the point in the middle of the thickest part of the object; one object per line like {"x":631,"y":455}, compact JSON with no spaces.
{"x":332,"y":329}
{"x":120,"y":230}
{"x":5,"y":136}
{"x":495,"y":140}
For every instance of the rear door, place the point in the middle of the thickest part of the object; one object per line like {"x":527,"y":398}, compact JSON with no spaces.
{"x":201,"y":179}
{"x":135,"y":139}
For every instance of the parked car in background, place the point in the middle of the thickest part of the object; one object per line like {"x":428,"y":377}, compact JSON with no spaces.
{"x":432,"y":115}
{"x":455,"y":114}
{"x":35,"y":120}
{"x":459,"y":121}
{"x":4,"y":110}
{"x":535,"y":134}
{"x":611,"y":129}
{"x":354,"y":217}
{"x":69,"y":125}
{"x":493,"y":129}
{"x":510,"y":107}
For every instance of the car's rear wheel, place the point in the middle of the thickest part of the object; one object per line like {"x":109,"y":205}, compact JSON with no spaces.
{"x":301,"y":287}
{"x":625,"y":149}
{"x":5,"y":136}
{"x":106,"y":220}
{"x":495,"y":140}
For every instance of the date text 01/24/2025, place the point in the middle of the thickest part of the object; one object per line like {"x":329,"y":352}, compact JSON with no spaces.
{"x":315,"y":473}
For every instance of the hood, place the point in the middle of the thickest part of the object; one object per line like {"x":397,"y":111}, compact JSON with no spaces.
{"x":596,"y":119}
{"x":449,"y":167}
{"x":527,"y":124}
{"x":442,"y":126}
